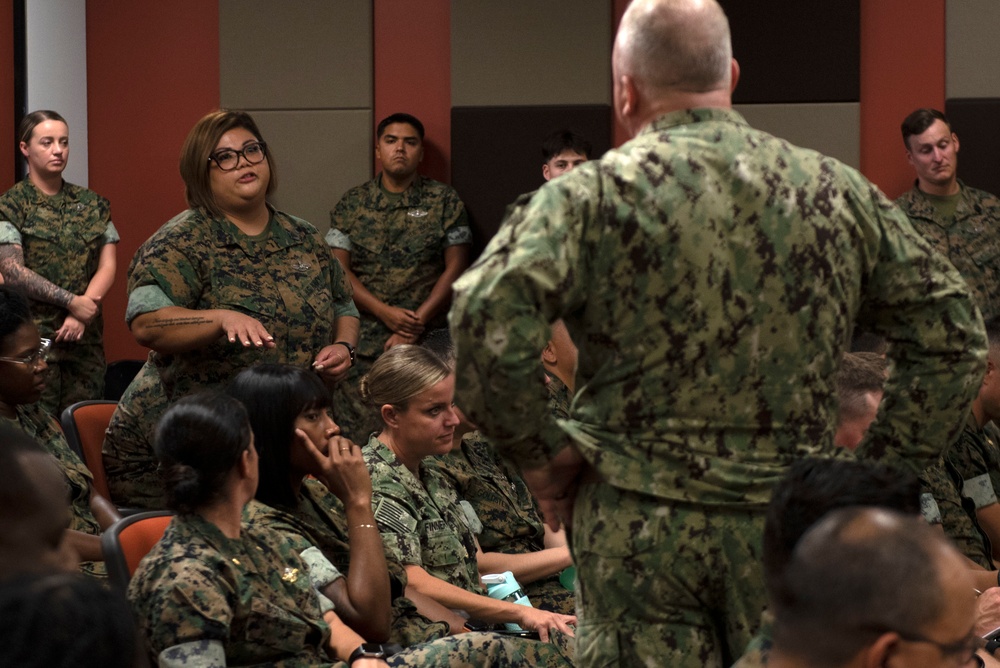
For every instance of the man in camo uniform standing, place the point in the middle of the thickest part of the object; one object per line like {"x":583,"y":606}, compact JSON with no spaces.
{"x":402,"y":240}
{"x":711,"y":276}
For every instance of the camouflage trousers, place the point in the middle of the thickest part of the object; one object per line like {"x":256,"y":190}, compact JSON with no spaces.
{"x":356,"y":419}
{"x":480,"y":649}
{"x":75,"y":373}
{"x":409,"y":627}
{"x":133,"y":471}
{"x":549,"y":594}
{"x":664,"y":583}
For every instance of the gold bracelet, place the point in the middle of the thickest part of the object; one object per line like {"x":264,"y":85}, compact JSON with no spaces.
{"x":365,"y":526}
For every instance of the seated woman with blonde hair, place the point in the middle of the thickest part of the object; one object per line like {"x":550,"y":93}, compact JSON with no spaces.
{"x":422,"y":523}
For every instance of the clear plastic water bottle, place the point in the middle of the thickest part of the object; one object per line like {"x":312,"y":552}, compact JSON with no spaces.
{"x":504,"y":587}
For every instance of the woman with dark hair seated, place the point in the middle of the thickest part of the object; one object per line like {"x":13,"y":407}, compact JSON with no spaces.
{"x":216,"y":592}
{"x":418,"y":512}
{"x":22,"y":380}
{"x":318,"y":494}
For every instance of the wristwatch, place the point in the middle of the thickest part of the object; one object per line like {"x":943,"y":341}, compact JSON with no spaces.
{"x":350,"y":349}
{"x":367,"y":650}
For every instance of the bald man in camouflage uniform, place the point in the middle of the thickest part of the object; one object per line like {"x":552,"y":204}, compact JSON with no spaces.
{"x":710,"y":275}
{"x":50,"y":249}
{"x":402,"y":239}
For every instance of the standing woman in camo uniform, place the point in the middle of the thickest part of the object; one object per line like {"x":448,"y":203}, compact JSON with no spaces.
{"x":57,"y":245}
{"x":224,"y":285}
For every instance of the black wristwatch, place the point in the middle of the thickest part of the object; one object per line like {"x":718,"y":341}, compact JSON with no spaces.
{"x":350,"y":349}
{"x":367,"y":650}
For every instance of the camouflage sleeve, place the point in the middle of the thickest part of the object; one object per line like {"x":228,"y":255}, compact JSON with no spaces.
{"x":111,"y":234}
{"x":342,"y":217}
{"x":966,"y":457}
{"x":195,"y":654}
{"x":9,"y":233}
{"x":526,"y":278}
{"x":919,"y":302}
{"x":335,"y":238}
{"x":343,"y":293}
{"x":192,"y":608}
{"x":455,"y":220}
{"x":397,"y":524}
{"x":163,"y":262}
{"x":145,"y":299}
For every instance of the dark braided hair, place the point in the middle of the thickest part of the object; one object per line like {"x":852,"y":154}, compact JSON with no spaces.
{"x":198,"y":441}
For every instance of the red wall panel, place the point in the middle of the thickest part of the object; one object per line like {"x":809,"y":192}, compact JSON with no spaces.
{"x":902,"y":68}
{"x":412,"y":58}
{"x":152,"y":72}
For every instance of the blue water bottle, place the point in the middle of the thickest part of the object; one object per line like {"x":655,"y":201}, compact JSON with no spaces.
{"x":504,"y":587}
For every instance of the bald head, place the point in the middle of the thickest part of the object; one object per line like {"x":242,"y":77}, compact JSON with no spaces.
{"x":853,"y":578}
{"x":674,"y":46}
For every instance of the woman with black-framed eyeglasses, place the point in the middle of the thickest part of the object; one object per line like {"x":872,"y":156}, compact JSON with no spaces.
{"x":229,"y":283}
{"x":23,"y":370}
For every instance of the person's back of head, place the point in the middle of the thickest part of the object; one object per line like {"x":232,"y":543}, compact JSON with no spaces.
{"x":65,"y":620}
{"x":873,"y":582}
{"x":675,"y":45}
{"x":860,"y":381}
{"x":814,"y":487}
{"x":34,"y":509}
{"x":199,"y":441}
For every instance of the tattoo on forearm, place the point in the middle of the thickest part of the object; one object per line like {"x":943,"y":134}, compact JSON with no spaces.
{"x":181,"y":322}
{"x":31,"y":284}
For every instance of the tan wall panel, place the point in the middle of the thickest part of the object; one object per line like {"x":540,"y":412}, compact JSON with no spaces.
{"x":295,"y":54}
{"x":972,"y":61}
{"x":833,"y":129}
{"x":320,"y":154}
{"x":530,"y":52}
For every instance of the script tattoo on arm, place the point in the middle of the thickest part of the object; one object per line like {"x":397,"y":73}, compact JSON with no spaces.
{"x":181,"y":322}
{"x":34,"y":286}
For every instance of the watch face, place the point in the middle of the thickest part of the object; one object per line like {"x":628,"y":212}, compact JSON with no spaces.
{"x":368,"y":650}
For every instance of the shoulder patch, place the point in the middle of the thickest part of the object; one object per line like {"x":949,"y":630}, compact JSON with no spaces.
{"x":392,"y":516}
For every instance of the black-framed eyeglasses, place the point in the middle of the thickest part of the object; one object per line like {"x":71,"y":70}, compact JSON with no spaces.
{"x":40,"y":355}
{"x":227,"y":159}
{"x":962,"y":650}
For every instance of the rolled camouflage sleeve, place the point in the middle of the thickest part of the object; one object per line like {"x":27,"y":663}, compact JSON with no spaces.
{"x":455,"y":221}
{"x":526,"y":278}
{"x":918,"y":301}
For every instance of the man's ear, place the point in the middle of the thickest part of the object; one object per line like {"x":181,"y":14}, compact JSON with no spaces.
{"x":549,"y":354}
{"x":734,"y":75}
{"x":882,"y":653}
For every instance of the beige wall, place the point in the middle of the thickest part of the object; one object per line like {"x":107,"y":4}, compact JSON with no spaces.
{"x":833,"y":129}
{"x":303,"y":68}
{"x":530,"y":52}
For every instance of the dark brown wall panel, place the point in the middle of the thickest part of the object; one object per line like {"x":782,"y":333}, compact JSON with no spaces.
{"x":496,"y":153}
{"x":974,"y":120}
{"x":794,"y":51}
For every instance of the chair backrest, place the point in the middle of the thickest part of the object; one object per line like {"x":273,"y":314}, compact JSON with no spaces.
{"x":128,"y":540}
{"x":118,"y":376}
{"x":84,"y":424}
